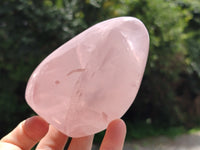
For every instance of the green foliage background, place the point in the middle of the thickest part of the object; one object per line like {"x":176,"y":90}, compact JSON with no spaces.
{"x":32,"y":29}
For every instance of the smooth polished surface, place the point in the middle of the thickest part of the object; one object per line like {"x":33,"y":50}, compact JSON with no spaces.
{"x":91,"y":79}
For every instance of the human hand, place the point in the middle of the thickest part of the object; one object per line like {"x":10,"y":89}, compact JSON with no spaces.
{"x":33,"y":130}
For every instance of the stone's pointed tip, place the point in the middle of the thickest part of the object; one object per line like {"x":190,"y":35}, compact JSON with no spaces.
{"x":92,"y":79}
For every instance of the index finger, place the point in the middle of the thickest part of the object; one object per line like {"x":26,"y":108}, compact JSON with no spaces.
{"x":26,"y":134}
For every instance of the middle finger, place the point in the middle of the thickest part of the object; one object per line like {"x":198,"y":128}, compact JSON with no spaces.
{"x":53,"y":140}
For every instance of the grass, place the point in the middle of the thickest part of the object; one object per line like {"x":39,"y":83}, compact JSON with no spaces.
{"x":143,"y":130}
{"x":193,"y":130}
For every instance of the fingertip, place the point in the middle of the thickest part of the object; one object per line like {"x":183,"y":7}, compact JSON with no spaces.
{"x":115,"y":135}
{"x":54,"y":139}
{"x":35,"y":127}
{"x":118,"y":123}
{"x":27,"y":133}
{"x":117,"y":129}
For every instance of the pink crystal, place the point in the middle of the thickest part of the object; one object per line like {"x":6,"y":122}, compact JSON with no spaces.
{"x":92,"y":79}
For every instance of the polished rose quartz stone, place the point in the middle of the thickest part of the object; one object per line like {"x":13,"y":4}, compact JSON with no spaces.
{"x":92,"y":79}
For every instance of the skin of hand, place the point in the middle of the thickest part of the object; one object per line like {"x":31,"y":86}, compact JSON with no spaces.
{"x":33,"y":130}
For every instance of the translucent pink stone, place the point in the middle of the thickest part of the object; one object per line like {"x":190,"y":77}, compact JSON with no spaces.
{"x":92,"y":79}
